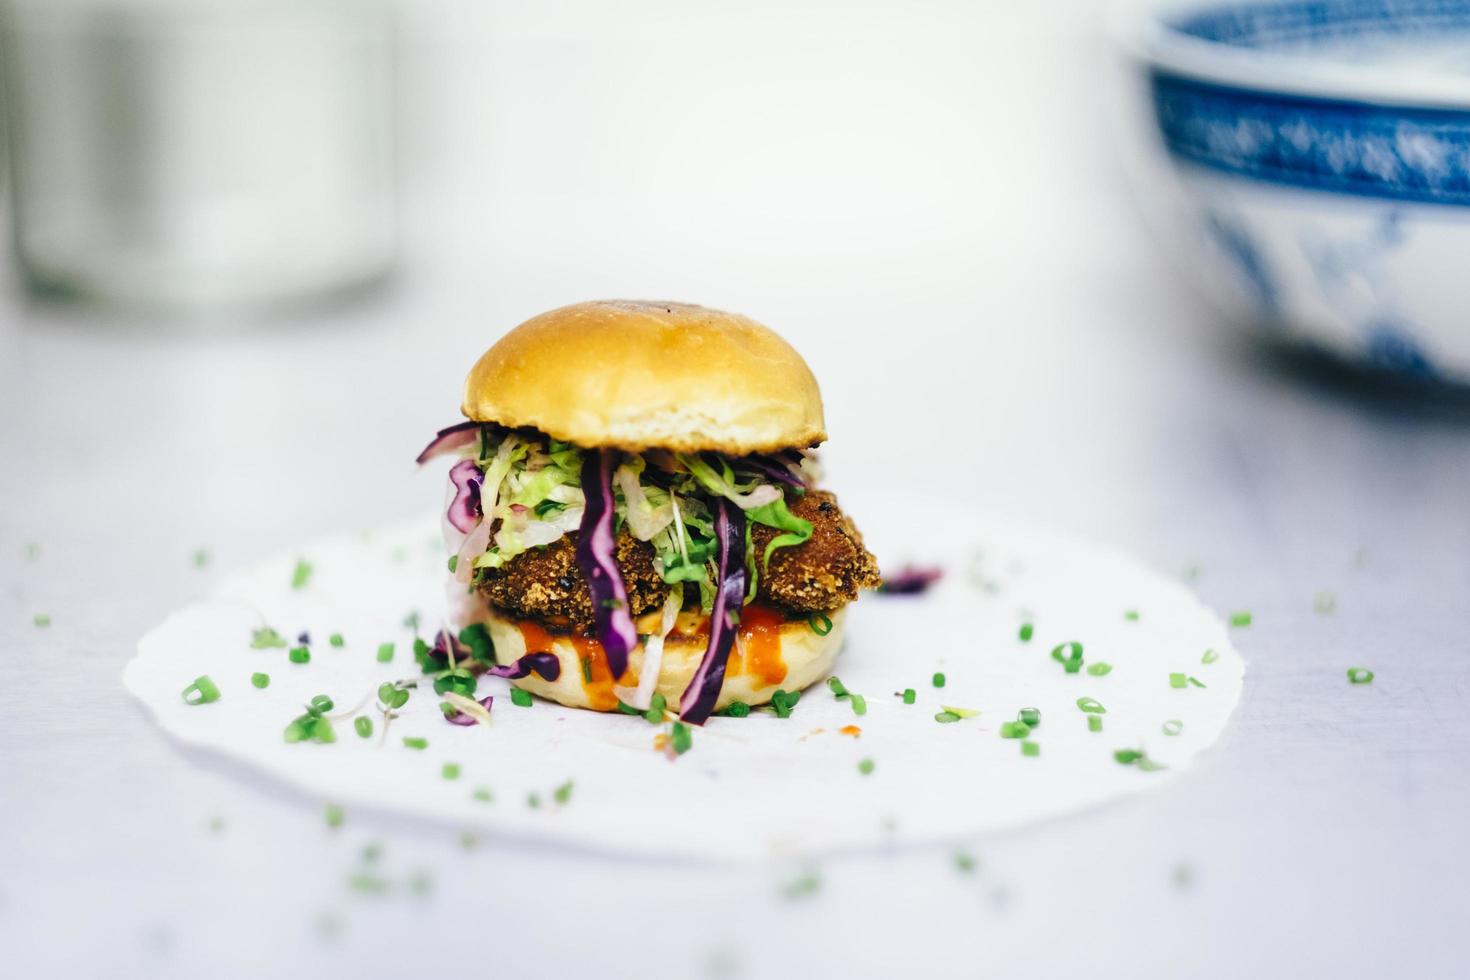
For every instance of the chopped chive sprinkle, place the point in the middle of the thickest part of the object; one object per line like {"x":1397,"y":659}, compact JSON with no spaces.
{"x":938,"y":680}
{"x":334,"y":815}
{"x":301,"y":574}
{"x":260,"y":680}
{"x":1030,"y":749}
{"x":627,"y":709}
{"x":1178,"y":681}
{"x":1031,"y":716}
{"x":385,"y":653}
{"x":1131,"y":615}
{"x":202,"y":691}
{"x":1209,"y":657}
{"x":453,"y":564}
{"x":1359,"y":675}
{"x":321,"y":704}
{"x":42,"y":620}
{"x":859,"y":705}
{"x":450,"y":770}
{"x":681,"y":738}
{"x":737,"y":709}
{"x":657,"y":705}
{"x":1069,"y":655}
{"x":310,"y":727}
{"x":820,"y":624}
{"x":1242,"y":618}
{"x":964,"y":862}
{"x":336,"y":640}
{"x":946,"y":717}
{"x":866,"y":767}
{"x":1195,"y":681}
{"x":1026,"y":632}
{"x":1100,"y":669}
{"x":960,"y":712}
{"x":909,"y":695}
{"x":1173,"y":726}
{"x":483,"y":794}
{"x":299,"y":655}
{"x":837,"y":688}
{"x":418,"y":744}
{"x":563,"y":793}
{"x":364,"y":726}
{"x":520,"y":698}
{"x":586,"y":670}
{"x":1094,"y":723}
{"x":1091,"y":705}
{"x":1127,"y":756}
{"x":265,"y":638}
{"x":1014,"y":729}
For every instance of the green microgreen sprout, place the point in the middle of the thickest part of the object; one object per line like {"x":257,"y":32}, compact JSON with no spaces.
{"x":563,"y":793}
{"x":737,"y":709}
{"x":681,"y":738}
{"x":859,"y":704}
{"x":520,"y":698}
{"x":385,"y":653}
{"x":1100,"y":669}
{"x":1091,"y":706}
{"x":364,"y":726}
{"x":265,"y":638}
{"x":784,"y":702}
{"x":838,"y":689}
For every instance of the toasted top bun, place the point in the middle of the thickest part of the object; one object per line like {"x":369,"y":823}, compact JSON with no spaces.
{"x":777,"y":656}
{"x":639,"y":375}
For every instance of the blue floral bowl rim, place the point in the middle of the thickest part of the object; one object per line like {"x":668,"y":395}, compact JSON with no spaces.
{"x":1154,"y":37}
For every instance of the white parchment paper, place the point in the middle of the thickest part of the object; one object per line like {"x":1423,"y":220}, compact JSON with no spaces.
{"x":748,"y":788}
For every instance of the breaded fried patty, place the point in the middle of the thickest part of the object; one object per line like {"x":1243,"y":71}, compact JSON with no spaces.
{"x":824,"y":573}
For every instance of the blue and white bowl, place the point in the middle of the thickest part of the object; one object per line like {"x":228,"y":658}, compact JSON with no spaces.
{"x":1321,"y":156}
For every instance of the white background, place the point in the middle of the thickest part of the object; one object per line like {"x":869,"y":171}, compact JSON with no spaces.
{"x":923,"y":197}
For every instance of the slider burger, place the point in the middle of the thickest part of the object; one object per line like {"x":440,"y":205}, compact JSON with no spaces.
{"x":634,"y":511}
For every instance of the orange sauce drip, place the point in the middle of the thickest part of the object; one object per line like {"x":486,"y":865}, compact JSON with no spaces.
{"x":592,"y":668}
{"x":760,"y":636}
{"x":852,"y":730}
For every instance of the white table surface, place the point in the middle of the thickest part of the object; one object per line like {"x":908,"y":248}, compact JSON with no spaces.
{"x":920,"y":198}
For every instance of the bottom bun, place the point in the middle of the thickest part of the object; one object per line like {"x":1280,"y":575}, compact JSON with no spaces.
{"x":778,"y":654}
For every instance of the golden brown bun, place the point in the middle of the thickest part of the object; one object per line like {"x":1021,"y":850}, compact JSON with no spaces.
{"x":753,"y":678}
{"x":638,"y":375}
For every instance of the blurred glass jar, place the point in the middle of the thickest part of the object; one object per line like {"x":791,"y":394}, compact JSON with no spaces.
{"x":196,"y":155}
